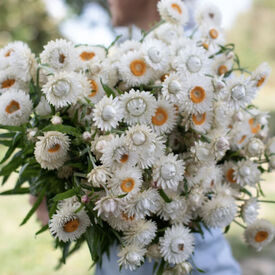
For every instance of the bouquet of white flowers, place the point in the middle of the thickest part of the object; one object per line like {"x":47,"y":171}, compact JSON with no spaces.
{"x":141,"y":143}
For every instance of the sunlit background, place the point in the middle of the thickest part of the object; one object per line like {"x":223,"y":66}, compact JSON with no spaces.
{"x":248,"y":23}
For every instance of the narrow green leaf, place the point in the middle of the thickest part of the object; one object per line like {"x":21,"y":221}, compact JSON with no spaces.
{"x":63,"y":129}
{"x":65,"y":252}
{"x":15,"y":162}
{"x":226,"y":229}
{"x":108,"y":90}
{"x":43,"y":229}
{"x":35,"y":206}
{"x":164,"y":196}
{"x":89,"y":236}
{"x":12,"y":148}
{"x":161,"y":268}
{"x":64,"y":195}
{"x":12,"y":128}
{"x":17,"y":191}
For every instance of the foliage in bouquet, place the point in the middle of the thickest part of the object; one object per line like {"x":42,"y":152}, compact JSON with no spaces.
{"x":140,"y":144}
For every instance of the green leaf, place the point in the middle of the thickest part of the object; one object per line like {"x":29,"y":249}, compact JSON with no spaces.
{"x":63,"y":129}
{"x":161,"y":268}
{"x":91,"y":241}
{"x":64,"y":195}
{"x":12,"y":148}
{"x":43,"y":229}
{"x":17,"y":191}
{"x":15,"y":162}
{"x":35,"y":206}
{"x":226,"y":229}
{"x":12,"y":128}
{"x":164,"y":196}
{"x":108,"y":90}
{"x":65,"y":252}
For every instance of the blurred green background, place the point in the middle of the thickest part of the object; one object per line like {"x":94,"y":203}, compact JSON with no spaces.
{"x":20,"y":252}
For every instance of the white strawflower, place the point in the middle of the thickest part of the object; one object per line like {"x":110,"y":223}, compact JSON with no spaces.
{"x":249,"y":210}
{"x":96,"y":91}
{"x":89,"y":55}
{"x":67,"y":225}
{"x":196,"y":198}
{"x":108,"y":205}
{"x":87,"y":136}
{"x":220,"y":211}
{"x":270,"y":146}
{"x":51,"y":151}
{"x":99,"y":143}
{"x":120,"y":221}
{"x":131,"y":256}
{"x":43,"y":108}
{"x":247,"y":173}
{"x":239,"y":92}
{"x":126,"y":181}
{"x":138,"y":106}
{"x":172,"y":88}
{"x":15,"y":108}
{"x":221,"y":144}
{"x":177,"y":211}
{"x":177,"y":245}
{"x":141,"y":232}
{"x":173,"y":11}
{"x":144,"y":204}
{"x":128,"y":46}
{"x":63,"y":89}
{"x":31,"y":134}
{"x":198,"y":94}
{"x":142,"y":140}
{"x":165,"y":117}
{"x":259,"y":234}
{"x":116,"y":153}
{"x":260,"y":76}
{"x":99,"y":176}
{"x":202,"y":152}
{"x":153,"y":252}
{"x":183,"y":268}
{"x":55,"y":120}
{"x":17,"y":57}
{"x":156,"y":54}
{"x":229,"y":172}
{"x":59,"y":55}
{"x":169,"y":33}
{"x":255,"y":147}
{"x":168,"y":172}
{"x":209,"y":13}
{"x":220,"y":66}
{"x":192,"y":60}
{"x":134,"y":70}
{"x":107,"y":113}
{"x":10,"y":81}
{"x":202,"y":122}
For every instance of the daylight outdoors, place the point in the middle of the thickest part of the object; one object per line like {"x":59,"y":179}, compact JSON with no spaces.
{"x":36,"y":22}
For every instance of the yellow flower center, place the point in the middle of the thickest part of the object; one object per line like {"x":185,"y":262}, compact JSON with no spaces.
{"x":255,"y":128}
{"x":94,"y":87}
{"x":86,"y":56}
{"x":163,"y":77}
{"x":261,"y":236}
{"x":242,"y":139}
{"x":213,"y":33}
{"x":260,"y":81}
{"x":222,"y":70}
{"x":160,"y":117}
{"x":12,"y":107}
{"x":197,"y":94}
{"x":8,"y":83}
{"x":124,"y":158}
{"x":138,"y":67}
{"x":71,"y":226}
{"x":127,"y":185}
{"x":230,"y":175}
{"x":8,"y":53}
{"x":55,"y":148}
{"x":199,"y":119}
{"x":205,"y":45}
{"x":62,"y":58}
{"x":177,"y":8}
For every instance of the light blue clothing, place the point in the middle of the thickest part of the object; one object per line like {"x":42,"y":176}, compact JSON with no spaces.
{"x":212,"y":254}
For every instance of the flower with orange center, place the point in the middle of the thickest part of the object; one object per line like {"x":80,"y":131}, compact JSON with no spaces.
{"x":87,"y":56}
{"x":12,"y":107}
{"x":164,"y":119}
{"x":213,"y":33}
{"x":94,"y":87}
{"x":197,"y":94}
{"x":222,"y":70}
{"x":199,"y":119}
{"x":54,"y":148}
{"x":230,"y":175}
{"x":254,"y":126}
{"x":127,"y":185}
{"x":8,"y":83}
{"x":71,"y":226}
{"x":177,"y":8}
{"x":138,"y":67}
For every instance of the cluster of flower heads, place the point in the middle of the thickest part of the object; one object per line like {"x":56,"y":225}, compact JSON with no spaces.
{"x":173,"y":135}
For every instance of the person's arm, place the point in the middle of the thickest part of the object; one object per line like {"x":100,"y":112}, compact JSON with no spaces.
{"x":42,"y":211}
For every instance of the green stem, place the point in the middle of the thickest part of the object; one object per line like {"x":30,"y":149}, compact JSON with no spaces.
{"x":267,"y":201}
{"x":241,"y":225}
